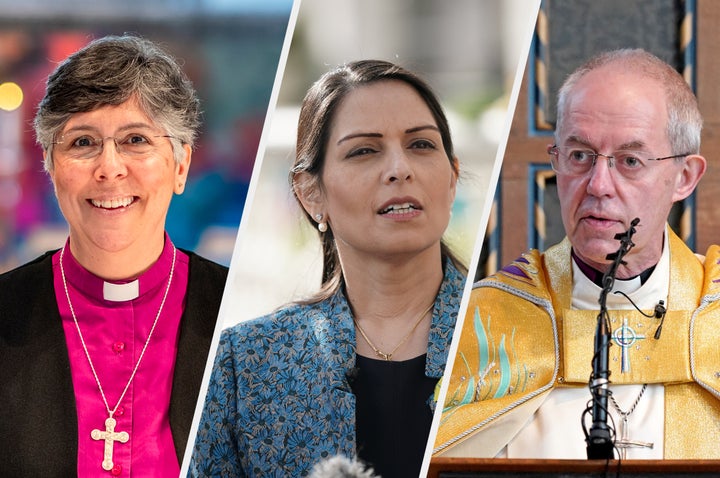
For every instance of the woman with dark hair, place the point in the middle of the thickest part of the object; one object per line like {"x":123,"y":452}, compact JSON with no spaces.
{"x":352,"y":370}
{"x":103,"y":342}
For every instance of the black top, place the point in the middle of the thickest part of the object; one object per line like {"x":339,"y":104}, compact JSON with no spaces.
{"x":392,"y":415}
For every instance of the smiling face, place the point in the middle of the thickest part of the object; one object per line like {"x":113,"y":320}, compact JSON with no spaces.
{"x":611,"y":110}
{"x":116,"y":203}
{"x":387,"y":185}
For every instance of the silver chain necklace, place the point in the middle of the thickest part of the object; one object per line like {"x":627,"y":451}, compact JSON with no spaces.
{"x":110,"y":435}
{"x":625,"y":442}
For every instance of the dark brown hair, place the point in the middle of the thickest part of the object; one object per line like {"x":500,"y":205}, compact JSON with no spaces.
{"x":316,"y":116}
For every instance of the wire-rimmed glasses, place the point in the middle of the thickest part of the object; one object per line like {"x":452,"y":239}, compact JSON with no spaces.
{"x":86,"y":146}
{"x":579,"y":161}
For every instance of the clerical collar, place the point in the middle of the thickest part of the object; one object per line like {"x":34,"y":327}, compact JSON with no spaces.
{"x":96,"y":288}
{"x":596,"y":276}
{"x":121,"y":292}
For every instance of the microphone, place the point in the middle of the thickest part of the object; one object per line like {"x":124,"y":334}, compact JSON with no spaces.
{"x":599,"y":439}
{"x":339,"y":466}
{"x":660,"y":312}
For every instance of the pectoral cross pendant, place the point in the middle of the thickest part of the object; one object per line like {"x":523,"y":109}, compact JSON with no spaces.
{"x":110,"y":436}
{"x":624,"y":443}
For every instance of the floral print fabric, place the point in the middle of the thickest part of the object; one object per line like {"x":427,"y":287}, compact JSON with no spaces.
{"x":279,"y":400}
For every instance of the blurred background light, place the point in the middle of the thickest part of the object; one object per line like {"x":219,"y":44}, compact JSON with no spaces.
{"x":11,"y":96}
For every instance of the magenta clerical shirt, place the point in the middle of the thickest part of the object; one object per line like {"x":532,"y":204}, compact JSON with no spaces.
{"x":115,"y":319}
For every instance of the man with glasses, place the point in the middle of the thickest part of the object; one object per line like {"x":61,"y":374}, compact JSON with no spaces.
{"x":626,"y":148}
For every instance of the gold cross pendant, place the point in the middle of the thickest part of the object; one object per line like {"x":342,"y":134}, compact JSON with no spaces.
{"x":624,"y":443}
{"x":110,"y":436}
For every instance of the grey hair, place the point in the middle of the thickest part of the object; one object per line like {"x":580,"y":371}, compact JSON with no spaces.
{"x":684,"y":119}
{"x":110,"y":71}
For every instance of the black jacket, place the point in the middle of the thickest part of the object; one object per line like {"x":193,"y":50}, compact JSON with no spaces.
{"x":38,"y":419}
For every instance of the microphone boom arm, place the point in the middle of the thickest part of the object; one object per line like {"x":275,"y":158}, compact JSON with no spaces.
{"x":599,"y":439}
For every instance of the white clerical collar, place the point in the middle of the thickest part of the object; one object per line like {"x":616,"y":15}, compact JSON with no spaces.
{"x":121,"y":292}
{"x":585,"y":292}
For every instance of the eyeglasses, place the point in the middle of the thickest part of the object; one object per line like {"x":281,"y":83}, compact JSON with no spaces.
{"x":84,"y":146}
{"x":578,"y":162}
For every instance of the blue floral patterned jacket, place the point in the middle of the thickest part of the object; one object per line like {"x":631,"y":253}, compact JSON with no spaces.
{"x":279,"y":400}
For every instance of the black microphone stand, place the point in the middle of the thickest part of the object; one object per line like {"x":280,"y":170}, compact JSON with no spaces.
{"x":599,"y":439}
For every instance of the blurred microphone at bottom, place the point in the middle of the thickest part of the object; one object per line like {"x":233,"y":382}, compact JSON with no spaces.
{"x":342,"y":467}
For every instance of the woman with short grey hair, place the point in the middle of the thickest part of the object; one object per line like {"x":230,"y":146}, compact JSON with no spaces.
{"x":103,"y":342}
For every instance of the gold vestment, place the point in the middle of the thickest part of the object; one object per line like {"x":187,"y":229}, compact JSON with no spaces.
{"x":520,"y":340}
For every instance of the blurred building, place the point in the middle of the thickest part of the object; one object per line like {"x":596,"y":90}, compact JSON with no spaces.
{"x":468,"y":50}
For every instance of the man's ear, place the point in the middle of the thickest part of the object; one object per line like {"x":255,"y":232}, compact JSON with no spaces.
{"x":693,"y":169}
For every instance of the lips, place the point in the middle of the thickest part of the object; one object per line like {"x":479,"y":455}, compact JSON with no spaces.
{"x":600,"y":221}
{"x":113,"y":203}
{"x":595,"y":214}
{"x":399,"y":208}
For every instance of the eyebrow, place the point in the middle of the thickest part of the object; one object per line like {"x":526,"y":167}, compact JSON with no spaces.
{"x":414,"y":129}
{"x":127,"y":127}
{"x":359,"y":135}
{"x":577,"y":139}
{"x":631,"y":145}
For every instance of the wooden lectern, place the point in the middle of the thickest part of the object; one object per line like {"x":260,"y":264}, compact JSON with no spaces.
{"x":523,"y":468}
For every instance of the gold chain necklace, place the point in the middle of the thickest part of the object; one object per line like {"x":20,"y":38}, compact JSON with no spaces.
{"x":388,"y":356}
{"x":110,"y":435}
